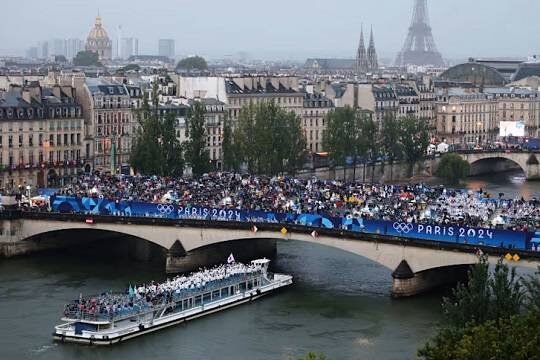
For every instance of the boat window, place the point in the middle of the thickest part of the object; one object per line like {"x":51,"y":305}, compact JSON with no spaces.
{"x":198,"y":300}
{"x":206,"y":298}
{"x":225,"y":292}
{"x":215,"y":295}
{"x":242,"y":286}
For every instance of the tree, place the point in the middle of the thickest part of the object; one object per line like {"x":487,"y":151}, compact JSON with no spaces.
{"x":196,"y":152}
{"x":516,"y":337}
{"x":268,"y":139}
{"x":341,"y":135}
{"x":453,"y":168}
{"x":229,"y":147}
{"x":156,"y":149}
{"x":484,"y":319}
{"x":414,"y":139}
{"x":86,"y":58}
{"x":192,"y":63}
{"x":391,"y":145}
{"x":370,"y":133}
{"x":295,"y":152}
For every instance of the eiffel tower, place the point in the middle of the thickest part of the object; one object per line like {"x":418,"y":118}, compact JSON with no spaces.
{"x":419,"y":47}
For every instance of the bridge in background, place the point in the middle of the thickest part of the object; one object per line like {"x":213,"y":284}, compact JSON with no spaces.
{"x":417,"y":265}
{"x":486,"y":162}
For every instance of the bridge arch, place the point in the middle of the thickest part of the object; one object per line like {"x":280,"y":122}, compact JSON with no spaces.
{"x":494,"y":164}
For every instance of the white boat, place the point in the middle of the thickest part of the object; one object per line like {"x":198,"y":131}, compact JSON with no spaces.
{"x":108,"y":319}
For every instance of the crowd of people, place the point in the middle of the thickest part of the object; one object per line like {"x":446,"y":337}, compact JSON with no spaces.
{"x":417,"y":203}
{"x":144,"y":297}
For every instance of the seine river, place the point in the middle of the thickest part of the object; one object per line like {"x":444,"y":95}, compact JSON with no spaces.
{"x":339,"y":305}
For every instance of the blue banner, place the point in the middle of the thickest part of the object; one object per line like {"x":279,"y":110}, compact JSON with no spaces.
{"x":442,"y":233}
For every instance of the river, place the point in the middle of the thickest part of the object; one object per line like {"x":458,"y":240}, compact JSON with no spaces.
{"x":339,"y":305}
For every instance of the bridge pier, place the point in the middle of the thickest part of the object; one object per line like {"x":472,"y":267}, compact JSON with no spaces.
{"x":407,"y":283}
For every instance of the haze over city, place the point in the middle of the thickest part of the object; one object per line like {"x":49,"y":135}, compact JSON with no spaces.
{"x":279,"y":29}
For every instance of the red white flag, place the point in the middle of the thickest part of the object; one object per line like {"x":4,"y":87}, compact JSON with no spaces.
{"x":314,"y":234}
{"x":254,"y":229}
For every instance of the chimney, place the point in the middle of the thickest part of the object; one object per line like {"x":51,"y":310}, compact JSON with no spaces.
{"x":26,"y":95}
{"x":35,"y":92}
{"x":57,"y":91}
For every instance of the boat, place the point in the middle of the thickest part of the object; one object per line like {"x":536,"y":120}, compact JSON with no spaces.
{"x":108,"y":318}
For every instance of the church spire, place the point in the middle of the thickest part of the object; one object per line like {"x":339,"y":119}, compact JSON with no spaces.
{"x":361,"y":56}
{"x":373,"y":63}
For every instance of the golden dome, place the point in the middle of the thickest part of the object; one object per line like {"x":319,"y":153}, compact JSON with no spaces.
{"x":98,"y":32}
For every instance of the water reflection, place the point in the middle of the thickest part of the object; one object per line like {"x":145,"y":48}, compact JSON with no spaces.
{"x":512,"y":184}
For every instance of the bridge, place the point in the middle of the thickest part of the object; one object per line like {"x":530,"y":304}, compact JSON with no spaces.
{"x":417,"y":265}
{"x":486,"y":162}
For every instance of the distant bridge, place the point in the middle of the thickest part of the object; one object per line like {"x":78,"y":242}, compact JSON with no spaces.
{"x":486,"y":162}
{"x":417,"y":265}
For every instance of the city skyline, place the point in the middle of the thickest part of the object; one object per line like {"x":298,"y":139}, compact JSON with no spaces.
{"x":286,"y":34}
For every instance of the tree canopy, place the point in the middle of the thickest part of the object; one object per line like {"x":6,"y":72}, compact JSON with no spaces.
{"x":86,"y":58}
{"x":156,"y":149}
{"x":493,"y":316}
{"x":196,"y":152}
{"x":192,"y":63}
{"x":453,"y":168}
{"x":268,"y":139}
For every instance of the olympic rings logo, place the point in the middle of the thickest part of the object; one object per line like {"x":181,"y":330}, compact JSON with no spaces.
{"x":403,"y":227}
{"x":165,"y":208}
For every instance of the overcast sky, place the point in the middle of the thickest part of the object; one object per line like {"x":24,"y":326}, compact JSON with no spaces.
{"x":286,"y":29}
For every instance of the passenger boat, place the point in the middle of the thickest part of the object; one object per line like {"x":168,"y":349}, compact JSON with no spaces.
{"x":108,"y":319}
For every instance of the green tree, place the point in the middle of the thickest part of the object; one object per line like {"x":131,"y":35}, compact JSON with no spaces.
{"x":391,"y":145}
{"x":269,"y":139}
{"x":295,"y":151}
{"x":340,"y":138}
{"x":414,"y":139}
{"x":86,"y":58}
{"x":370,"y":134}
{"x":484,"y":319}
{"x":192,"y":63}
{"x":516,"y":337}
{"x":156,"y":149}
{"x":230,"y":148}
{"x":453,"y":168}
{"x":197,"y":154}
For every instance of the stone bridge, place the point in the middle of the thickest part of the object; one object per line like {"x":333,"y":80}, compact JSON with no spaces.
{"x":417,"y":265}
{"x":486,"y":162}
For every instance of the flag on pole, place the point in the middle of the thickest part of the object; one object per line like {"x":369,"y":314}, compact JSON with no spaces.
{"x":230,"y":259}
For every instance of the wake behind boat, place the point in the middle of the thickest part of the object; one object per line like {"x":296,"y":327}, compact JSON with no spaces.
{"x":108,"y":318}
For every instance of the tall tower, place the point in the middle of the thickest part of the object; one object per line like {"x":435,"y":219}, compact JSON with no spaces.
{"x":361,"y":56}
{"x":373,"y":63}
{"x":419,"y":47}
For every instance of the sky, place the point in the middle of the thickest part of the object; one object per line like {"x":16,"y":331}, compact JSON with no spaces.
{"x":278,"y":29}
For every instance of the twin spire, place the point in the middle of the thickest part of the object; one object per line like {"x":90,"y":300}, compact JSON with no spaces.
{"x":366,"y":61}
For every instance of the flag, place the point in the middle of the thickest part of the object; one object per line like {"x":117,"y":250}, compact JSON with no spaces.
{"x":230,"y":259}
{"x":314,"y":234}
{"x":89,"y":221}
{"x":254,"y":229}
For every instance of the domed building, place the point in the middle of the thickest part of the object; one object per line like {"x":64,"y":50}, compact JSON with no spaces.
{"x":98,"y":41}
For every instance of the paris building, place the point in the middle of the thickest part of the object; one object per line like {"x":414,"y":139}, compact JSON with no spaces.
{"x":99,"y":42}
